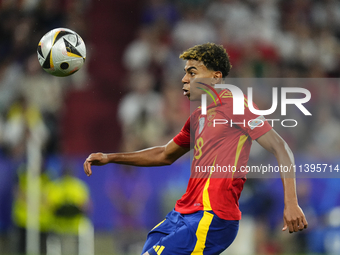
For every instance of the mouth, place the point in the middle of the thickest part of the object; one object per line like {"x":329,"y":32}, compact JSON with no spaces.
{"x":186,"y":92}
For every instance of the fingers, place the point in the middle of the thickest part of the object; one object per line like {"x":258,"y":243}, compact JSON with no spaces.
{"x":95,"y":159}
{"x":301,"y":226}
{"x":305,"y":223}
{"x":87,"y":166}
{"x":294,"y":219}
{"x":290,"y":226}
{"x":284,"y":225}
{"x":295,"y":225}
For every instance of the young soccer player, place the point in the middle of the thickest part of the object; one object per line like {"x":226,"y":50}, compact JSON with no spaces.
{"x":205,"y":220}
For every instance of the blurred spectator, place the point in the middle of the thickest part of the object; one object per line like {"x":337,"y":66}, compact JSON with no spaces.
{"x":325,"y":136}
{"x":140,"y":112}
{"x":10,"y":76}
{"x":46,"y":93}
{"x":193,"y":29}
{"x":326,"y":14}
{"x":19,"y":212}
{"x":138,"y":54}
{"x":147,"y":53}
{"x":233,"y":16}
{"x":23,"y":121}
{"x":68,"y":199}
{"x":176,"y":111}
{"x":327,"y":49}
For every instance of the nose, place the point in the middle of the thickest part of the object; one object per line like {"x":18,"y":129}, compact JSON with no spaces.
{"x":186,"y":79}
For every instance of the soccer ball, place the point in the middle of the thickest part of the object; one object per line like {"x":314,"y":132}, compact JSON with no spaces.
{"x":61,"y":52}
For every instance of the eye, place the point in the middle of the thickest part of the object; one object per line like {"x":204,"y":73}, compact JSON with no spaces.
{"x":192,"y":73}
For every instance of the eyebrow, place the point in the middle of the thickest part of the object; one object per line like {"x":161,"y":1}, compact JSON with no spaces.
{"x":191,"y":67}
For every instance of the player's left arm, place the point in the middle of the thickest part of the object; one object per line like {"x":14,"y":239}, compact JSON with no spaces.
{"x":293,"y":216}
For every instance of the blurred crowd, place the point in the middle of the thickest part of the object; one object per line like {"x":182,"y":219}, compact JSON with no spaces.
{"x":31,"y":102}
{"x":63,"y":205}
{"x":297,"y":39}
{"x":30,"y":98}
{"x":264,"y":39}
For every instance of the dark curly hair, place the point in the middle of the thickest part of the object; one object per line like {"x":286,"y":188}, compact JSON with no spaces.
{"x":213,"y":56}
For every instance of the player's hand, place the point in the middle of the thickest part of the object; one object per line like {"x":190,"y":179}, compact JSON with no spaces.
{"x":294,"y":219}
{"x":95,"y":159}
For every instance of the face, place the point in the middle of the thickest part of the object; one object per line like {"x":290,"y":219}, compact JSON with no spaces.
{"x":196,"y":69}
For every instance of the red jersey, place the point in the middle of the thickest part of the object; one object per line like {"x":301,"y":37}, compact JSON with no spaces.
{"x":221,"y":144}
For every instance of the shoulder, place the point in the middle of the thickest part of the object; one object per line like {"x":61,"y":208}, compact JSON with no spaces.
{"x":226,"y":97}
{"x":226,"y":93}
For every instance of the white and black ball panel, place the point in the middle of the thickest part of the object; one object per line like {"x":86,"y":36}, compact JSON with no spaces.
{"x":64,"y":65}
{"x":61,"y":52}
{"x":40,"y":55}
{"x":46,"y":42}
{"x":71,"y":38}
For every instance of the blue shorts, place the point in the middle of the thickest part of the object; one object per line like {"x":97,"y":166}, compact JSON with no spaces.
{"x":201,"y":232}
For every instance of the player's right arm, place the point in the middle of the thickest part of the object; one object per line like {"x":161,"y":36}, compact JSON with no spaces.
{"x":155,"y":156}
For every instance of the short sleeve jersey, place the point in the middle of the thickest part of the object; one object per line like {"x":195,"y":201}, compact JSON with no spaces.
{"x":221,"y":143}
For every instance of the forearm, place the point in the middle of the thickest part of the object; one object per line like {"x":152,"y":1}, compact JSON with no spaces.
{"x":286,"y":162}
{"x":148,"y":157}
{"x":155,"y":156}
{"x":293,"y":216}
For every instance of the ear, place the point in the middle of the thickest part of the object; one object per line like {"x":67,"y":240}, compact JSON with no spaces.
{"x":217,"y":77}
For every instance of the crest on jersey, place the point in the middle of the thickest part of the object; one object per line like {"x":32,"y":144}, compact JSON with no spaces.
{"x":201,"y":124}
{"x":211,"y":114}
